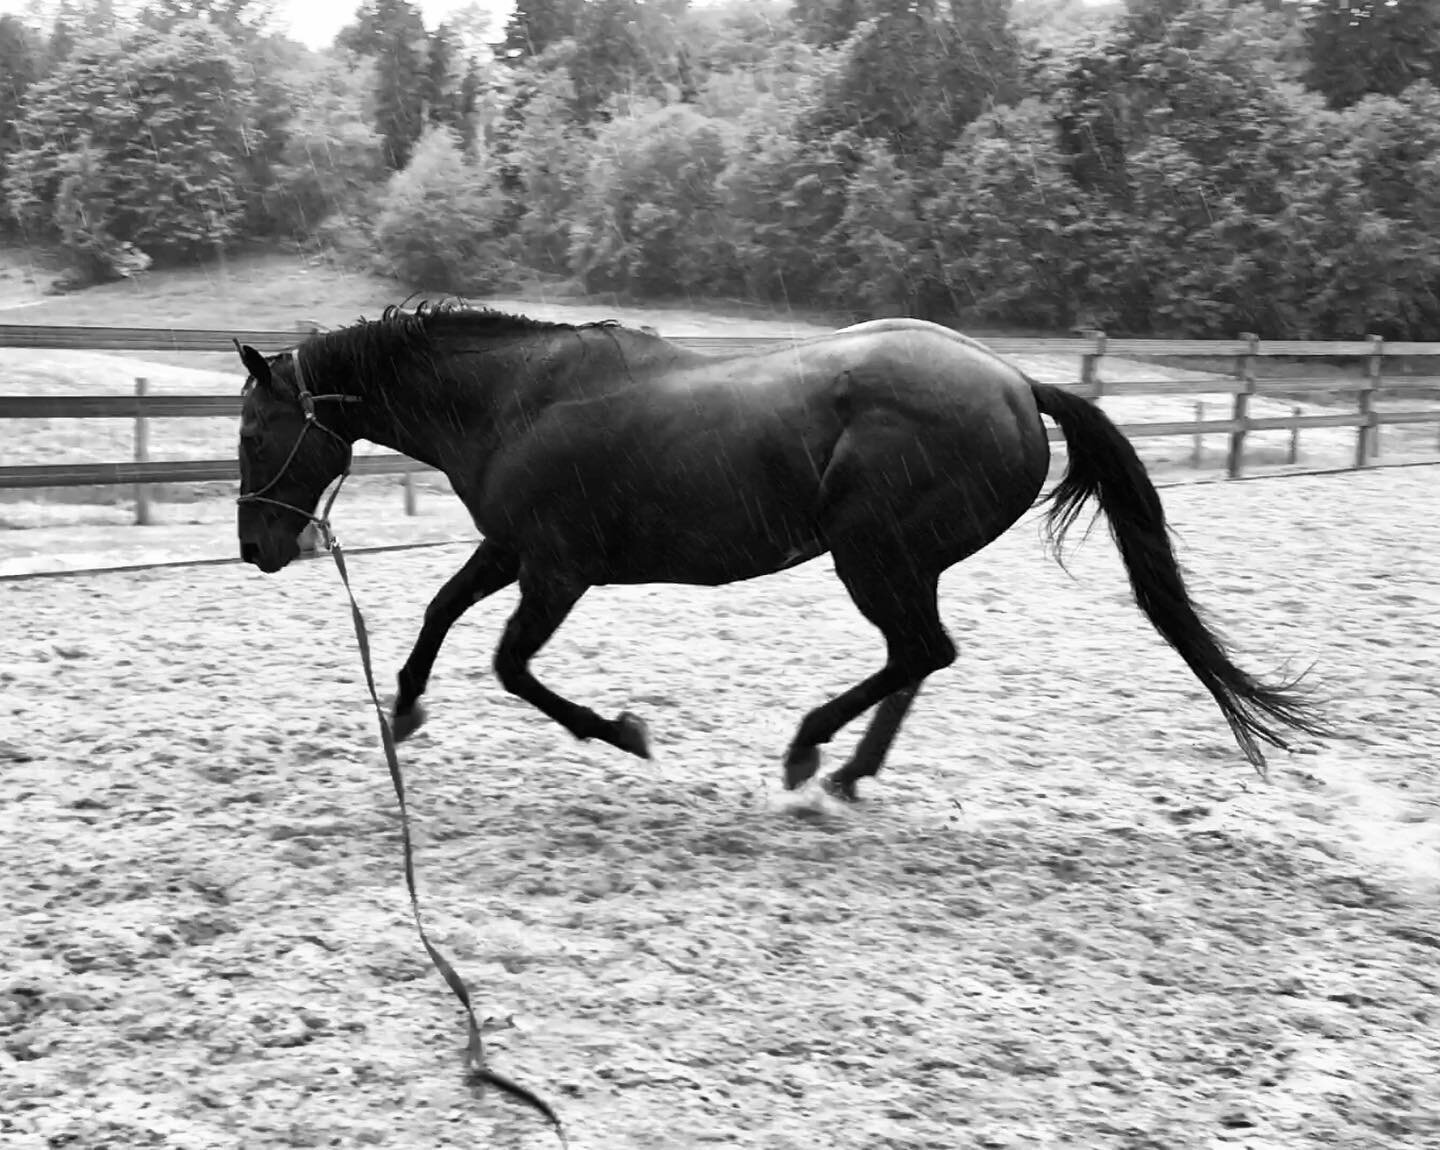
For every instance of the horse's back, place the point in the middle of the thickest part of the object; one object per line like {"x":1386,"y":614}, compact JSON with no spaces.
{"x":936,"y":372}
{"x":948,"y":349}
{"x":949,"y":395}
{"x":896,"y":352}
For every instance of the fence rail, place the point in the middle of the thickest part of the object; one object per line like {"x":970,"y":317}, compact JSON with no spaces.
{"x":1242,"y":385}
{"x":118,"y":406}
{"x":172,"y":471}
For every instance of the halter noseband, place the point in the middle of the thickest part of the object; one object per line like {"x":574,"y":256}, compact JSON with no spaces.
{"x":307,"y":406}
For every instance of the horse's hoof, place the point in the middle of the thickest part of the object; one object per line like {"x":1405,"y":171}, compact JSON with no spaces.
{"x":840,"y":788}
{"x":402,"y":726}
{"x":800,"y":766}
{"x":631,"y":734}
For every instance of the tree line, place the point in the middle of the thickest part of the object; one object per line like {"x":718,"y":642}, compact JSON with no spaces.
{"x":1183,"y":167}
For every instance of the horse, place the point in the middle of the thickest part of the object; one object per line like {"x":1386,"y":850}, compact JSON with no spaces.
{"x":594,"y":454}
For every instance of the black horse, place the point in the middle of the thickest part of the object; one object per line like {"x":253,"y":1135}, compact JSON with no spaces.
{"x":596,"y":454}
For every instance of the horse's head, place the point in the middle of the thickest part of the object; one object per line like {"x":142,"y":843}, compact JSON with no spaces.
{"x":289,"y":454}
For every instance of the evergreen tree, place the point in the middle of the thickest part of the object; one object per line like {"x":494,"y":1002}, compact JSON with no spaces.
{"x":392,"y":33}
{"x":535,"y":25}
{"x":544,"y":170}
{"x":626,"y":47}
{"x":610,"y":55}
{"x":443,"y":77}
{"x":19,"y":69}
{"x":470,"y":86}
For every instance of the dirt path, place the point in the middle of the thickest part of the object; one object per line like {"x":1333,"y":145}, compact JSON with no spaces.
{"x":1068,"y":914}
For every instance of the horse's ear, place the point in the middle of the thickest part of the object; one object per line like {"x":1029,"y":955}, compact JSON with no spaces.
{"x":255,"y":363}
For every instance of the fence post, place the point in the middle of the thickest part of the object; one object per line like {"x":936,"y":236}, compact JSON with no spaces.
{"x":1197,"y":445}
{"x":1294,"y":454}
{"x":1365,"y":445}
{"x":410,"y":493}
{"x":1245,"y":372}
{"x":142,"y":453}
{"x":1089,"y":378}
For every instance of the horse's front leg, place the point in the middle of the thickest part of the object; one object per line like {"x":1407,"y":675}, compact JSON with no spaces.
{"x":490,"y":569}
{"x":545,"y":601}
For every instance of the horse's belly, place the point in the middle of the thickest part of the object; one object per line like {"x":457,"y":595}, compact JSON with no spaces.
{"x":698,"y":488}
{"x":707,"y":546}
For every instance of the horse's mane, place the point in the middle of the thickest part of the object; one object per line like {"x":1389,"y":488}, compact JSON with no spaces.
{"x":418,"y":330}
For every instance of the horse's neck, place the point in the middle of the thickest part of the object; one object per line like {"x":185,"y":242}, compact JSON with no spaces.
{"x":429,"y":416}
{"x":444,"y":412}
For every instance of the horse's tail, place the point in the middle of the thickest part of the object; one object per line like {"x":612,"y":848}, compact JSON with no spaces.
{"x":1104,"y":466}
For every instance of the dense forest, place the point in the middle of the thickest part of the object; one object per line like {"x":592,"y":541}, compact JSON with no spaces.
{"x":1187,"y":167}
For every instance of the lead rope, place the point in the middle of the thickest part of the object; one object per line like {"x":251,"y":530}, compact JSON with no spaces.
{"x":477,"y":1074}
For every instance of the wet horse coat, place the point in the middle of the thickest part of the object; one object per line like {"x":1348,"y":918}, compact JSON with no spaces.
{"x":706,"y":471}
{"x":597,"y":454}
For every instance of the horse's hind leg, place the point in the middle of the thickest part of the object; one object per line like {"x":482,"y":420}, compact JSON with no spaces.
{"x":902,"y":501}
{"x":875,"y":744}
{"x":902,"y":602}
{"x":545,"y":600}
{"x":488,"y":570}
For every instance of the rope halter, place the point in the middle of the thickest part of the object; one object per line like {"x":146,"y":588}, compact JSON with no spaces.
{"x":307,"y":406}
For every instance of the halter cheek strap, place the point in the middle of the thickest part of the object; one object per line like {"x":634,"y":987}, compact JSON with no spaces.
{"x":307,"y":406}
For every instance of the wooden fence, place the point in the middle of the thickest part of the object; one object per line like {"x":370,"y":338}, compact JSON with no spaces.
{"x":1242,"y":385}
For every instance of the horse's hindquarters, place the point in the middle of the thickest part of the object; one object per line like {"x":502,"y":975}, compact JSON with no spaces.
{"x":944,"y":472}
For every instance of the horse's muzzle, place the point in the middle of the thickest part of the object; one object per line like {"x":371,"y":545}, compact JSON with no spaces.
{"x":269,"y":557}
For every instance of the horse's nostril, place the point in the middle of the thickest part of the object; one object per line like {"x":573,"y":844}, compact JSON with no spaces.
{"x":249,"y":551}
